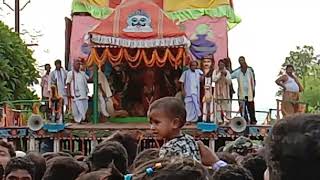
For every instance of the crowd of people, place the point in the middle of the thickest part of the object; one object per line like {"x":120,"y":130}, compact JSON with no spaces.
{"x":68,"y":91}
{"x":200,"y":81}
{"x":290,"y":152}
{"x":218,"y":90}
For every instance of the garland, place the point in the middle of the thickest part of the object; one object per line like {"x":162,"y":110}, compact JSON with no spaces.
{"x":139,"y":57}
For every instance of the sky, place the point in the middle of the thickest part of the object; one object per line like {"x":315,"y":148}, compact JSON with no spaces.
{"x":268,"y":31}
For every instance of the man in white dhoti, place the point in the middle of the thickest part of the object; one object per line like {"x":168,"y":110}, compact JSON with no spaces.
{"x":58,"y":78}
{"x":77,"y":89}
{"x":222,"y":79}
{"x":190,"y":82}
{"x":105,"y":96}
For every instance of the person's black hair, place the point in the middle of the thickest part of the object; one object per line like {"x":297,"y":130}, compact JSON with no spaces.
{"x":172,"y":107}
{"x":1,"y":171}
{"x":128,"y":141}
{"x":62,"y":167}
{"x":293,"y":148}
{"x":20,"y":163}
{"x":9,"y":146}
{"x":256,"y":165}
{"x":49,"y":155}
{"x":58,"y":61}
{"x":39,"y":164}
{"x":109,"y":152}
{"x":242,"y":57}
{"x":176,"y":168}
{"x":232,"y":172}
{"x":144,"y":156}
{"x":222,"y":61}
{"x":289,"y":66}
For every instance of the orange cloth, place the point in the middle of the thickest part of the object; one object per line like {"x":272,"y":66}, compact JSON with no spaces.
{"x":290,"y":105}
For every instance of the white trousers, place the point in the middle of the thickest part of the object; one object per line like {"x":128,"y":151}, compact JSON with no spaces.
{"x":79,"y":109}
{"x":208,"y":111}
{"x":106,"y":106}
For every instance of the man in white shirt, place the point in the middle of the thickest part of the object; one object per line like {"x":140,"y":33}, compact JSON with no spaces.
{"x":77,"y":89}
{"x":291,"y":89}
{"x":190,"y":86}
{"x":58,"y":78}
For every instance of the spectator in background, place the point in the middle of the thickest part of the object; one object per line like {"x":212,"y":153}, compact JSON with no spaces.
{"x":144,"y":156}
{"x":19,"y":168}
{"x":39,"y":164}
{"x":292,"y":148}
{"x":232,"y":172}
{"x":62,"y":168}
{"x":128,"y":141}
{"x":256,"y":165}
{"x":107,"y":153}
{"x":6,"y":152}
{"x":176,"y":168}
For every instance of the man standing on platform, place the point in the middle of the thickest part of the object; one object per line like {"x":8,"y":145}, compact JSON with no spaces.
{"x":291,"y":89}
{"x":58,"y":78}
{"x":45,"y":89}
{"x":222,"y":79}
{"x":246,"y":89}
{"x":190,"y":86}
{"x":105,"y":96}
{"x":45,"y":83}
{"x":77,"y":89}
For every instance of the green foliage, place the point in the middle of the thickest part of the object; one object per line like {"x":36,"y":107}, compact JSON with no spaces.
{"x":17,"y":67}
{"x":303,"y":60}
{"x":311,"y":93}
{"x":307,"y":69}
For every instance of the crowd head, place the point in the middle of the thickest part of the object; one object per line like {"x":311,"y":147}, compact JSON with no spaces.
{"x":291,"y":152}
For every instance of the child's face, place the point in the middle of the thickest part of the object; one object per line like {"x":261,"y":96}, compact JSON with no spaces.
{"x":162,"y":125}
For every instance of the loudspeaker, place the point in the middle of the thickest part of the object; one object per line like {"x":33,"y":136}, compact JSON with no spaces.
{"x":238,"y":124}
{"x":35,"y":122}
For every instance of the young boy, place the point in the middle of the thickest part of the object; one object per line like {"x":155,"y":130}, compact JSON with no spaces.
{"x":167,"y":116}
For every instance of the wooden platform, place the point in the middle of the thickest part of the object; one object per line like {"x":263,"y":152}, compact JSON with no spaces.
{"x":116,"y":126}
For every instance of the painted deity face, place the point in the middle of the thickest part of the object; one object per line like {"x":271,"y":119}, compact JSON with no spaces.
{"x":139,"y":21}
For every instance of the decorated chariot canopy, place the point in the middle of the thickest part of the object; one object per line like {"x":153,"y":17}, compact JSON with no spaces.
{"x":138,"y":32}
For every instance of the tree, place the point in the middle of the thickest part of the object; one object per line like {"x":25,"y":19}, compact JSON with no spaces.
{"x":17,"y":67}
{"x":307,"y":68}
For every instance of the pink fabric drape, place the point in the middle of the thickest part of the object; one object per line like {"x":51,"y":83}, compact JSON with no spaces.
{"x":81,"y":25}
{"x":219,"y":29}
